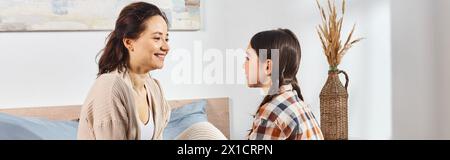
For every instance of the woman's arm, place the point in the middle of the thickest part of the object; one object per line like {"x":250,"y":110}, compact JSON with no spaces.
{"x":104,"y":115}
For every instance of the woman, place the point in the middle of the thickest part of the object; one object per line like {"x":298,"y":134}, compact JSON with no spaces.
{"x":272,"y":63}
{"x":125,"y":103}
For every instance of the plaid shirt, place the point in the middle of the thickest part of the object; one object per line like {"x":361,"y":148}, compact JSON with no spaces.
{"x":286,"y":117}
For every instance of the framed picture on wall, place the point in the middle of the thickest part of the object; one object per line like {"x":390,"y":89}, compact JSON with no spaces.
{"x":87,"y":15}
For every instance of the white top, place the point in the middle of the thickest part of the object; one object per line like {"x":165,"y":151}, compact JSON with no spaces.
{"x":148,"y":129}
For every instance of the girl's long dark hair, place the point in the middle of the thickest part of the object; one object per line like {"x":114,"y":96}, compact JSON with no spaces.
{"x":130,"y":24}
{"x":289,"y":57}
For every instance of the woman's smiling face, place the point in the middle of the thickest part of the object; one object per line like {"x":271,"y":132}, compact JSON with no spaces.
{"x":150,"y":49}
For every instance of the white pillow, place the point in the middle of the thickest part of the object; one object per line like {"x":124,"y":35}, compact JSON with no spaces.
{"x":201,"y":131}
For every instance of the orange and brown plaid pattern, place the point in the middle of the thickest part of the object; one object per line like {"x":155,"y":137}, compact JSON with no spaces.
{"x":286,"y":117}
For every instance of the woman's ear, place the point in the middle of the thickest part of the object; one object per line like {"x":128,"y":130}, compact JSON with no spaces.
{"x":128,"y":43}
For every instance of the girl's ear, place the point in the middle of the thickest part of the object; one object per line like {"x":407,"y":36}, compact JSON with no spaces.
{"x":268,"y":67}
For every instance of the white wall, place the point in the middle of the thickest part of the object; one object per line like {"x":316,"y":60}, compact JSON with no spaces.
{"x":443,"y":40}
{"x":41,"y":69}
{"x":420,"y":39}
{"x":57,"y":68}
{"x":413,"y":74}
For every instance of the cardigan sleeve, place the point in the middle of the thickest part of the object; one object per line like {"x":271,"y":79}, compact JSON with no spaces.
{"x":112,"y":128}
{"x":104,"y":114}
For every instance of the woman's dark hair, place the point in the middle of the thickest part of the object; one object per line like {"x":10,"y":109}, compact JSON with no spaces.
{"x":289,"y":52}
{"x":129,"y":24}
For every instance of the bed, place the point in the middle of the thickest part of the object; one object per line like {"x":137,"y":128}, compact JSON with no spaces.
{"x":217,"y":112}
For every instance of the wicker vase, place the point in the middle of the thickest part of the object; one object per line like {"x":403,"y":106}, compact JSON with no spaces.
{"x":333,"y":107}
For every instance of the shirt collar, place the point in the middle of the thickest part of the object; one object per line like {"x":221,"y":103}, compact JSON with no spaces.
{"x":285,"y":88}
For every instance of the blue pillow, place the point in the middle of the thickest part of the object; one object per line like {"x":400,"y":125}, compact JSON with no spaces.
{"x":183,"y":117}
{"x":27,"y":128}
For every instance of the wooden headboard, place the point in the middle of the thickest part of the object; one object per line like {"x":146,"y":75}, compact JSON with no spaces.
{"x":217,"y":110}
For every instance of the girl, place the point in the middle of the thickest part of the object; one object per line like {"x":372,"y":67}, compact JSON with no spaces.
{"x":272,"y":63}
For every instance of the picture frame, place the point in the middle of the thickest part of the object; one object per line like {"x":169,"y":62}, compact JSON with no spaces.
{"x":88,"y":15}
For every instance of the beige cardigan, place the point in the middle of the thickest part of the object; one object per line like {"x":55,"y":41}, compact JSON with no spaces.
{"x":109,"y":113}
